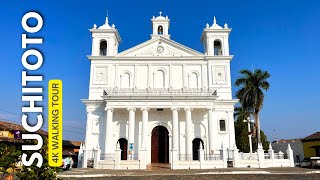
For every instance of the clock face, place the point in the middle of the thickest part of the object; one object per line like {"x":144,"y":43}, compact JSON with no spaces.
{"x":160,"y":49}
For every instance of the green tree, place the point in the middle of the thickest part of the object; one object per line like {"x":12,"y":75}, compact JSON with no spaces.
{"x":251,"y":93}
{"x":242,"y":140}
{"x":9,"y":156}
{"x":45,"y":171}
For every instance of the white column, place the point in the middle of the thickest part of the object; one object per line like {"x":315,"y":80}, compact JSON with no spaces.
{"x":131,"y":128}
{"x":211,"y":130}
{"x":175,"y":129}
{"x":231,"y":132}
{"x":188,"y":130}
{"x":88,"y":126}
{"x":144,"y":130}
{"x":108,"y":130}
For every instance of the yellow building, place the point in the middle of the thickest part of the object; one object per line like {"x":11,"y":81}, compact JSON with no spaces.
{"x":311,"y":145}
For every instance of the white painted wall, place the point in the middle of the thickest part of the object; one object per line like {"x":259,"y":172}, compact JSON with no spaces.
{"x":159,"y":65}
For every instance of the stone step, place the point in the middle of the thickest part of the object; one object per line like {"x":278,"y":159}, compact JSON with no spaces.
{"x":158,"y":166}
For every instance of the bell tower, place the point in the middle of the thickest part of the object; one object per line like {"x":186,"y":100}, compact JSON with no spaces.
{"x":160,"y":26}
{"x":105,"y":40}
{"x":215,"y":39}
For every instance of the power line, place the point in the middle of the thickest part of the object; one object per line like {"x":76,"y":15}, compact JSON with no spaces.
{"x":20,"y":115}
{"x":42,"y":126}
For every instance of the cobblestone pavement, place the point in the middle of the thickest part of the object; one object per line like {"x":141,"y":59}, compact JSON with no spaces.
{"x":232,"y":173}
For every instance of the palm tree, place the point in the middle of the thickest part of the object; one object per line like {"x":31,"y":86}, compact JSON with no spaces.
{"x":251,"y":93}
{"x":240,"y":113}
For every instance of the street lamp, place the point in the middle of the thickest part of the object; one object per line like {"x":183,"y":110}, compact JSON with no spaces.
{"x":249,"y":130}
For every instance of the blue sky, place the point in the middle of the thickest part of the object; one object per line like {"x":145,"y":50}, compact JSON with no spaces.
{"x":281,"y":37}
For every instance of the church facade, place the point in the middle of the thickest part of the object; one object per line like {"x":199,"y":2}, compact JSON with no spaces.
{"x":159,"y":101}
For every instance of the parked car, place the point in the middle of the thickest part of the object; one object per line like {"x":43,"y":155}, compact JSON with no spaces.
{"x":311,"y":162}
{"x":305,"y":162}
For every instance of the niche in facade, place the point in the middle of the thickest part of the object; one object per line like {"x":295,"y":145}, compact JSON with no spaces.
{"x":159,"y":79}
{"x":125,"y":80}
{"x":193,"y":80}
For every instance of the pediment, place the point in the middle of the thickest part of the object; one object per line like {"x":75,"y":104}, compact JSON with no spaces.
{"x":159,"y":47}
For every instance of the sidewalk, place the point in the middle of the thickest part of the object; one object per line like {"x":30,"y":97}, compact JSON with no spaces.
{"x":99,"y":173}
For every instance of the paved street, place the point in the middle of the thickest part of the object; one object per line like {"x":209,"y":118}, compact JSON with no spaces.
{"x":247,"y":174}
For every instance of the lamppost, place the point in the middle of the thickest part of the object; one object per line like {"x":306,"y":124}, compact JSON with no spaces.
{"x":249,"y":132}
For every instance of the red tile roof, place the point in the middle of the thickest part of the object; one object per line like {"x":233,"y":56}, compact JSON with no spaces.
{"x":288,"y":140}
{"x":313,"y":136}
{"x":6,"y":126}
{"x":71,"y":143}
{"x":10,"y":140}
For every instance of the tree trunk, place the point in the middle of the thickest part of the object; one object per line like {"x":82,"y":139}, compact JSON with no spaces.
{"x":256,"y":118}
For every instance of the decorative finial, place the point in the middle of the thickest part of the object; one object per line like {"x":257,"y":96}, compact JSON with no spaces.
{"x":207,"y":25}
{"x":214,"y":20}
{"x":153,"y":17}
{"x":160,"y":13}
{"x":225,"y":25}
{"x":107,"y":20}
{"x":270,"y":146}
{"x":113,"y":26}
{"x":94,"y":26}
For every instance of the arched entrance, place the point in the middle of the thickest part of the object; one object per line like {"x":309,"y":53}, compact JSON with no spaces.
{"x":195,"y":147}
{"x":124,"y":147}
{"x":160,"y":145}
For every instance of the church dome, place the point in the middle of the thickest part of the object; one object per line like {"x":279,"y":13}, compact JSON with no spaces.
{"x":160,"y":17}
{"x":106,"y":25}
{"x":214,"y":25}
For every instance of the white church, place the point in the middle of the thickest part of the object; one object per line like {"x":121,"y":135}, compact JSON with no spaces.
{"x":159,"y":101}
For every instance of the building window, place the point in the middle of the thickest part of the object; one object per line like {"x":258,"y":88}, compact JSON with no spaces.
{"x":160,"y":30}
{"x":217,"y":48}
{"x":222,"y":124}
{"x":103,"y":48}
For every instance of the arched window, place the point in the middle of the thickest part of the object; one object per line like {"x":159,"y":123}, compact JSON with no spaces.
{"x":103,"y":48}
{"x":222,"y":125}
{"x":196,"y":144}
{"x":217,"y":48}
{"x":124,"y":148}
{"x":159,"y":79}
{"x":160,"y":30}
{"x":125,"y":80}
{"x":193,"y":80}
